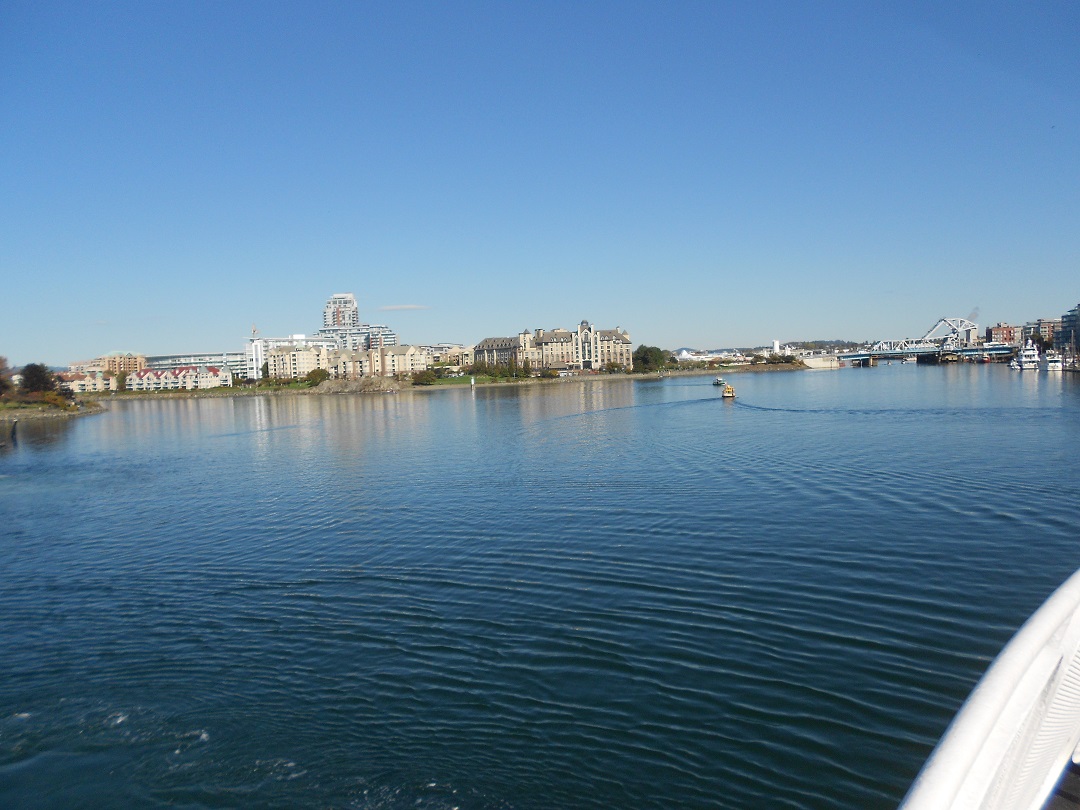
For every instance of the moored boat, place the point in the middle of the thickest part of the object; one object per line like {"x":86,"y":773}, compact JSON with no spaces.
{"x":1054,"y":361}
{"x":1028,"y":358}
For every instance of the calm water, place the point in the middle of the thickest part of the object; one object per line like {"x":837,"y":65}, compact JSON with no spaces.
{"x":616,"y":595}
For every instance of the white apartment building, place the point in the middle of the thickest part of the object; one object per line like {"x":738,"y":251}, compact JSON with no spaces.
{"x":187,"y":378}
{"x":403,"y":360}
{"x":294,"y":362}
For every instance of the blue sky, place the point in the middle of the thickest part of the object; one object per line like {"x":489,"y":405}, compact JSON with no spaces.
{"x":703,"y":174}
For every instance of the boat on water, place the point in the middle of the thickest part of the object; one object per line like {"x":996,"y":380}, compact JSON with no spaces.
{"x":1054,"y":361}
{"x":719,"y":381}
{"x":1028,"y":359}
{"x":1014,"y":364}
{"x":728,"y":392}
{"x":1013,"y":744}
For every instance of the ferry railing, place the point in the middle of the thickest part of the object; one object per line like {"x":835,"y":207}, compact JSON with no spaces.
{"x":1011,"y":741}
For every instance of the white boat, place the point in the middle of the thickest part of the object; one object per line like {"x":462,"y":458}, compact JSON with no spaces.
{"x":1017,"y":735}
{"x":1014,"y":364}
{"x":1029,"y":357}
{"x":1054,"y":361}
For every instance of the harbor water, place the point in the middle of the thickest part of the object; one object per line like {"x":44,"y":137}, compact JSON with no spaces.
{"x":600,"y":594}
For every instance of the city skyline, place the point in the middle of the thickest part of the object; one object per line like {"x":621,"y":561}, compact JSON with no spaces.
{"x":703,"y":175}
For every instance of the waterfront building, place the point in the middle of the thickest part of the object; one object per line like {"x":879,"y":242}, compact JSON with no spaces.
{"x":118,"y":362}
{"x":356,"y":365}
{"x":1043,"y":328}
{"x":114,"y":363}
{"x":1005,"y":333}
{"x":341,"y":324}
{"x":449,"y":354}
{"x":236,"y":362}
{"x":556,"y":347}
{"x":294,"y":362}
{"x":258,"y":350}
{"x":341,"y":312}
{"x":86,"y":382}
{"x":363,"y":336}
{"x":506,"y":351}
{"x":1067,"y":338}
{"x":397,"y":360}
{"x":187,"y":378}
{"x":582,"y":348}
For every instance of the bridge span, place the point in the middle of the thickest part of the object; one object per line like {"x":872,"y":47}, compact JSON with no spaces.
{"x":949,"y":336}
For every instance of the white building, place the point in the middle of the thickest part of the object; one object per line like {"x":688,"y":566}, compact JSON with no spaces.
{"x":341,"y":312}
{"x":403,"y":360}
{"x":295,"y":362}
{"x":187,"y":378}
{"x":341,"y":323}
{"x":236,"y":362}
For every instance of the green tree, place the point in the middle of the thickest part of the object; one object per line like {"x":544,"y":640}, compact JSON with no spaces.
{"x":265,"y":370}
{"x":5,"y":376}
{"x":425,"y":377}
{"x":649,"y":358}
{"x":121,"y":380}
{"x":37,"y":377}
{"x":317,"y":376}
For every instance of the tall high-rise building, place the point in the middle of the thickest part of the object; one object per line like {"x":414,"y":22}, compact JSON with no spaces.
{"x":341,"y":323}
{"x":341,"y":312}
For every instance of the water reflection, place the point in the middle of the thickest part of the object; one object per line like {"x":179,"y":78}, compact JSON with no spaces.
{"x":34,"y":432}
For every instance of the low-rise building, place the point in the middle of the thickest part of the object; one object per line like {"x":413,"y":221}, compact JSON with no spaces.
{"x":1043,"y":328}
{"x":507,"y":351}
{"x":86,"y":382}
{"x":187,"y":378}
{"x":294,"y":362}
{"x":403,"y":360}
{"x":258,"y":350}
{"x":236,"y":362}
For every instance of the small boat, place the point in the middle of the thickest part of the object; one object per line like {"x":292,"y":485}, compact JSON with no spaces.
{"x":1054,"y":361}
{"x":1014,"y":364}
{"x":719,"y":381}
{"x":1012,"y":743}
{"x":728,"y":392}
{"x":1029,"y":357}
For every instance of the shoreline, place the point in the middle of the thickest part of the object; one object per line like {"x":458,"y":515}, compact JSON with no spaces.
{"x":91,"y":404}
{"x":9,"y":415}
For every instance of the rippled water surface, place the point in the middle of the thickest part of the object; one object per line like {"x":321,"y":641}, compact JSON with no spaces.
{"x":577,"y":595}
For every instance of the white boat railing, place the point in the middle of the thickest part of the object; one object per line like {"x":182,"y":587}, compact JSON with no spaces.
{"x":1009,"y":744}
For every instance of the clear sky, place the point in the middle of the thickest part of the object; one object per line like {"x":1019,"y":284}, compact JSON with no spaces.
{"x":701,"y":174}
